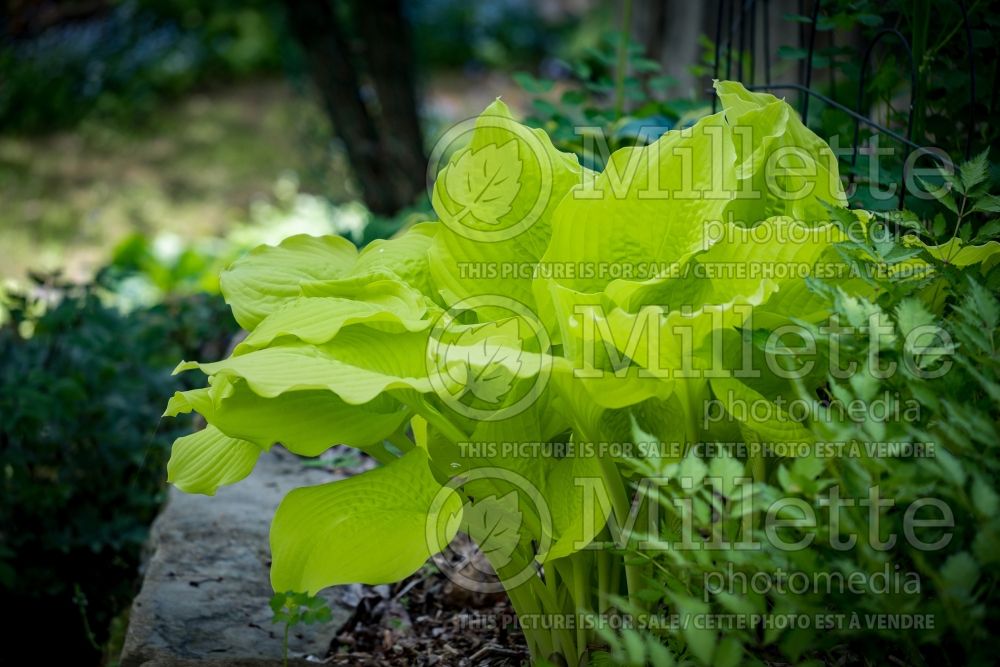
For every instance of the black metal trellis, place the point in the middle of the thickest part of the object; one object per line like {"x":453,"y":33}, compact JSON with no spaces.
{"x":740,"y":21}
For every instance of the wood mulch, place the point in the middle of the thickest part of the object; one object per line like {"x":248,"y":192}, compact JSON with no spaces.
{"x":427,"y":620}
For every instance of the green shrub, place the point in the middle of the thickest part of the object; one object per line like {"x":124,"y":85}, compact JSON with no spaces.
{"x":923,"y":435}
{"x":82,"y":455}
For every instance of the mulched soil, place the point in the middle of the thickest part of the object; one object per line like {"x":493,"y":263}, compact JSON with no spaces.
{"x":428,"y":620}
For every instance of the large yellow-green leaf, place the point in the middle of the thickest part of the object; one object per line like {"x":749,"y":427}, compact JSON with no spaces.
{"x":754,"y":412}
{"x":631,"y":216}
{"x":634,"y":230}
{"x":529,"y":485}
{"x":204,"y":461}
{"x":779,"y":157}
{"x":357,"y":366}
{"x":405,"y":255}
{"x":576,"y":520}
{"x":361,"y":363}
{"x":960,"y":254}
{"x":371,"y":528}
{"x":496,"y":197}
{"x":318,"y":319}
{"x":261,"y":282}
{"x":305,"y":422}
{"x":257,"y":284}
{"x":657,"y":339}
{"x":396,"y":267}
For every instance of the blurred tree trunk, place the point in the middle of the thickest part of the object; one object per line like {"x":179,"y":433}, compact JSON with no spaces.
{"x":384,"y":143}
{"x":389,"y":55}
{"x":669,"y":32}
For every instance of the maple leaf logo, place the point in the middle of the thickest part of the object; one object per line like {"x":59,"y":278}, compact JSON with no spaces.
{"x":495,"y":524}
{"x":484,"y":360}
{"x":485,"y":182}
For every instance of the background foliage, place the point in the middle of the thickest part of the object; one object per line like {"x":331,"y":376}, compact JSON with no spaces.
{"x":82,"y":453}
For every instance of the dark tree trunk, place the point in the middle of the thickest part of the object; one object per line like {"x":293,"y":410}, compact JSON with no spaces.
{"x":329,"y":59}
{"x":668,"y":31}
{"x":384,"y":145}
{"x":389,"y":56}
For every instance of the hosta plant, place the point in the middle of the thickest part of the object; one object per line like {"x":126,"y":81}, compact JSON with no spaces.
{"x":496,"y":361}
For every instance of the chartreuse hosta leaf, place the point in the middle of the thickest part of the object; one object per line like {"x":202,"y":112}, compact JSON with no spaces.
{"x":657,"y":206}
{"x":551,"y":518}
{"x":574,"y":524}
{"x":386,"y":268}
{"x":358,"y":365}
{"x":259,"y":283}
{"x":484,"y":181}
{"x":204,"y":461}
{"x":354,"y":389}
{"x":405,"y":256}
{"x":318,"y":319}
{"x":306,"y":422}
{"x":959,"y":254}
{"x":269,"y":277}
{"x":621,"y":219}
{"x":361,"y":363}
{"x":802,"y":173}
{"x":648,"y":275}
{"x":561,"y":478}
{"x":538,"y":510}
{"x":780,"y":251}
{"x":743,"y":404}
{"x":371,"y":528}
{"x":496,"y":198}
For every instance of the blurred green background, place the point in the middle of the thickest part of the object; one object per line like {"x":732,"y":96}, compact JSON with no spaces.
{"x":186,"y":121}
